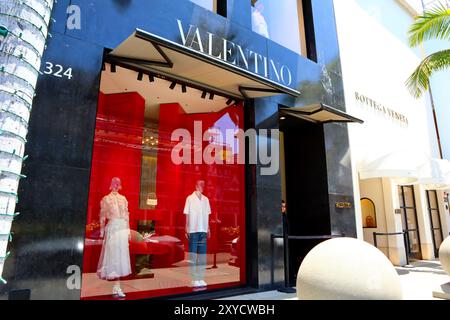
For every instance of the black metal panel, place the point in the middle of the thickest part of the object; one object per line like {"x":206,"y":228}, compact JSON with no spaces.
{"x":49,"y":233}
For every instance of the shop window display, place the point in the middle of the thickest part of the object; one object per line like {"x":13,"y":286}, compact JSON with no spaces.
{"x":156,"y":228}
{"x":280,"y":21}
{"x":369,"y":215}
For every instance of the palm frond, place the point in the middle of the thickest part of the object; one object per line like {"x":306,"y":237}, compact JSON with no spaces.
{"x":434,"y":23}
{"x":419,"y":81}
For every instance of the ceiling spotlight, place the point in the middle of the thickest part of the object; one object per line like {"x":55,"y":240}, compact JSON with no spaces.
{"x":183,"y":88}
{"x":283,"y":118}
{"x":204,"y":95}
{"x":113,"y":68}
{"x":173,"y":85}
{"x":140,"y":76}
{"x":230,"y":101}
{"x":151,"y":78}
{"x":211,"y":96}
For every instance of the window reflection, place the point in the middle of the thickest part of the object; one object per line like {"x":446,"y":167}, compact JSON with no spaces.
{"x":280,"y":21}
{"x":207,"y":4}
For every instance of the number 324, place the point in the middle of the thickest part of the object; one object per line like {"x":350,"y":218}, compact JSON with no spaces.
{"x":57,"y":70}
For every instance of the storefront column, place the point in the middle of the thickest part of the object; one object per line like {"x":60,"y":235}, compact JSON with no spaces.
{"x":445,"y":213}
{"x":396,"y":244}
{"x":424,"y":223}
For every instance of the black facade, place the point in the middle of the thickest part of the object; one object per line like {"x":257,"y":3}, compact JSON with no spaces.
{"x":53,"y":199}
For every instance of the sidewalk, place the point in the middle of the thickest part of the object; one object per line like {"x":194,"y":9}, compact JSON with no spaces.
{"x":418,"y":283}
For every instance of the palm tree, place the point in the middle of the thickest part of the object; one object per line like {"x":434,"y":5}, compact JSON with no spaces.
{"x":23,"y":34}
{"x":434,"y":23}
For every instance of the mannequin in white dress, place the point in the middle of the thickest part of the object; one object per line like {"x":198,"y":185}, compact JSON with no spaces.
{"x":114,"y":261}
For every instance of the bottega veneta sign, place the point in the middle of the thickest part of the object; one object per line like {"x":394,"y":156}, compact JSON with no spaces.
{"x":383,"y":110}
{"x":233,"y":53}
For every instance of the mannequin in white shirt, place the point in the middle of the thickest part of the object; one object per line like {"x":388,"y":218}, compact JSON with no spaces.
{"x":197,"y":211}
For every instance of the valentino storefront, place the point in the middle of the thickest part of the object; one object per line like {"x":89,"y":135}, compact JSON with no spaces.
{"x":119,"y":201}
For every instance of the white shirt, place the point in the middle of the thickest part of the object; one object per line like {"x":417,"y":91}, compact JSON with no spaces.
{"x":114,"y":206}
{"x":197,"y":211}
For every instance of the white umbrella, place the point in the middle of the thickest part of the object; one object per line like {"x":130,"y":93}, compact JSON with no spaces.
{"x":400,"y":165}
{"x":435,"y":174}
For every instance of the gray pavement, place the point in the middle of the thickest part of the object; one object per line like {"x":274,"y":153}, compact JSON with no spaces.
{"x":418,"y":283}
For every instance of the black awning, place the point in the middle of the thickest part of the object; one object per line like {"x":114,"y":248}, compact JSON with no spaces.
{"x":320,"y":113}
{"x":148,"y":52}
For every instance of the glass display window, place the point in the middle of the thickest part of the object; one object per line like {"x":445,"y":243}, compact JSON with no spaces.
{"x":280,"y":21}
{"x":155,"y":227}
{"x":207,"y":4}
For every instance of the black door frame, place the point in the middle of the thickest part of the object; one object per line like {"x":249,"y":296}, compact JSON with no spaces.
{"x":405,"y":209}
{"x":433,"y":228}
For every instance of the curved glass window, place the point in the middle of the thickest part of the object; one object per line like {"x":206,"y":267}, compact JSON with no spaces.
{"x":369,"y":215}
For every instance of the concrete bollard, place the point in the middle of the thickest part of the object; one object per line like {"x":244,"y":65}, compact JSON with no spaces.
{"x":347,"y":269}
{"x":444,"y":255}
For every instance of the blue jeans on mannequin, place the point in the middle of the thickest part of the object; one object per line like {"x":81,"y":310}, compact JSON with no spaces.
{"x":197,"y":255}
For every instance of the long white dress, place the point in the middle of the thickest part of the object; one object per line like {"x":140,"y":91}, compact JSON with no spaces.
{"x":114,"y":259}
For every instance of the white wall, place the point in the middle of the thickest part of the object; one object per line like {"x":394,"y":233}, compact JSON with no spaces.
{"x":373,"y":190}
{"x":376,"y":64}
{"x":376,"y":61}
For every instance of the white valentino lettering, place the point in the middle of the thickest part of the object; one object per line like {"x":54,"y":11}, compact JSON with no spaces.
{"x":194,"y":38}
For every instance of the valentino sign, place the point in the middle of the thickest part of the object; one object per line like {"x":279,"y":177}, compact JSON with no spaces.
{"x":232,"y":53}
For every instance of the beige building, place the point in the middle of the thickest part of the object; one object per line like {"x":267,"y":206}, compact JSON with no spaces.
{"x":399,"y":176}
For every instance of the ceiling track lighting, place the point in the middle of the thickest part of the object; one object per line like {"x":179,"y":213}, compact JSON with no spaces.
{"x":173,"y":85}
{"x":140,"y":76}
{"x":151,"y":78}
{"x":113,"y":68}
{"x":204,"y":95}
{"x":211,"y":96}
{"x":183,"y":88}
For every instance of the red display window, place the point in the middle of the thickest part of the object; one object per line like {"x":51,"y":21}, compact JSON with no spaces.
{"x":156,"y":227}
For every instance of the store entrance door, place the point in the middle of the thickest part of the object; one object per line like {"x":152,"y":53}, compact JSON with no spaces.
{"x":435,"y":220}
{"x":304,"y":177}
{"x":409,"y":221}
{"x":305,"y":187}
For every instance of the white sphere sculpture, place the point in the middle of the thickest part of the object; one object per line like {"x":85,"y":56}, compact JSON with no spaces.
{"x":347,"y":269}
{"x":444,"y":255}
